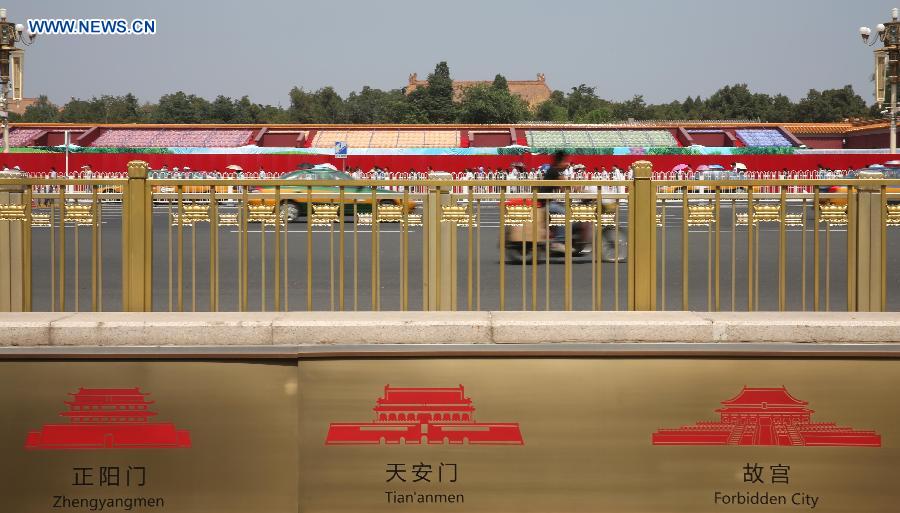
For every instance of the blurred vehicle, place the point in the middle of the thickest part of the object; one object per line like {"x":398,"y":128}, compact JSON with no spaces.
{"x":891,"y":169}
{"x":294,"y":208}
{"x":520,"y":240}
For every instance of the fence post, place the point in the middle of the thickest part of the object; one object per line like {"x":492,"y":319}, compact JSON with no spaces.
{"x":137,"y":240}
{"x":869,"y":250}
{"x":642,"y":238}
{"x":15,"y":245}
{"x":440,"y":276}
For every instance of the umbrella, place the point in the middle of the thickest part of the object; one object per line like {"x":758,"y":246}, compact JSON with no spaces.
{"x":716,"y":167}
{"x":235,"y":167}
{"x":702,"y":167}
{"x":517,"y":164}
{"x":328,"y":166}
{"x":681,"y":167}
{"x":544,"y":167}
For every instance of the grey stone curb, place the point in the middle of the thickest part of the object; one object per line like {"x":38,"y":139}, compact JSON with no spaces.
{"x":424,"y":328}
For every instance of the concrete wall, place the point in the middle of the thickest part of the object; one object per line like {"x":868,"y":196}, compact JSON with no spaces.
{"x":30,"y":332}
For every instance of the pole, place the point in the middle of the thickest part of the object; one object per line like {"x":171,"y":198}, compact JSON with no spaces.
{"x":67,"y":152}
{"x":5,"y":106}
{"x":894,"y":111}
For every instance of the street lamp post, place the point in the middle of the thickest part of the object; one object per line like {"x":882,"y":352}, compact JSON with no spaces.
{"x":10,"y":34}
{"x":889,"y":34}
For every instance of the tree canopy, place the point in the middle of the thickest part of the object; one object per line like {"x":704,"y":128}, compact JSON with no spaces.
{"x":434,"y":102}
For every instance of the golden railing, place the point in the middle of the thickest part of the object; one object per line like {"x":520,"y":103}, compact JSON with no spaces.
{"x":441,"y":244}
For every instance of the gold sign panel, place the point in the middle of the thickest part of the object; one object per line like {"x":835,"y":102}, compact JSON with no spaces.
{"x":148,"y":436}
{"x":599,"y":435}
{"x":587,"y":434}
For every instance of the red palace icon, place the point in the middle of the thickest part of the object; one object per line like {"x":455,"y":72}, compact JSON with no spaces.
{"x":424,"y":415}
{"x":108,"y":418}
{"x":766,"y":416}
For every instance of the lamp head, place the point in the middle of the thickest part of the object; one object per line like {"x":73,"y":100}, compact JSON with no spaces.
{"x":2,"y":14}
{"x":895,"y":14}
{"x":865,"y":32}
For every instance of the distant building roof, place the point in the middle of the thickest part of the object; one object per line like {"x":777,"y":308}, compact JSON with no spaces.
{"x":534,"y":92}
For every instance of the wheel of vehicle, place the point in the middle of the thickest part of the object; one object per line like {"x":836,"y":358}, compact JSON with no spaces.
{"x":290,"y":211}
{"x":515,"y":255}
{"x":608,"y":246}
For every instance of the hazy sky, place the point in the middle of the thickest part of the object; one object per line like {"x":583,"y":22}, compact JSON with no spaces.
{"x":663,"y":49}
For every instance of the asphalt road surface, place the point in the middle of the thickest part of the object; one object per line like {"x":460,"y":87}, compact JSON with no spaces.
{"x":486,"y":277}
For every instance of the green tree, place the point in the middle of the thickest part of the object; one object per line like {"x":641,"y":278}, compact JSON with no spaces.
{"x":182,"y":108}
{"x":490,"y":104}
{"x":41,"y":111}
{"x":635,"y":108}
{"x":435,"y":101}
{"x":553,"y":109}
{"x":831,"y":105}
{"x":221,"y":110}
{"x":83,"y":111}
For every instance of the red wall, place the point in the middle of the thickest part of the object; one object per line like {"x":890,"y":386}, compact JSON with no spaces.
{"x":41,"y":162}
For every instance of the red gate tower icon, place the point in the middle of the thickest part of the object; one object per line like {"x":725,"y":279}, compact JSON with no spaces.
{"x":424,"y":415}
{"x":109,"y":418}
{"x":766,"y":416}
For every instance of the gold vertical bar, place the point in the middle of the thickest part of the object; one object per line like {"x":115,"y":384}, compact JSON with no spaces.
{"x":62,"y":248}
{"x":597,"y":250}
{"x":194,"y":266}
{"x":169,"y":249}
{"x":470,"y":210}
{"x":278,"y":217}
{"x":179,"y":252}
{"x":426,"y":250}
{"x":245,"y":250}
{"x":534,"y":248}
{"x":341,"y":255}
{"x":884,"y":203}
{"x":502,"y":248}
{"x":756,"y":270}
{"x":404,"y":254}
{"x":718,"y":256}
{"x":77,"y":268}
{"x":782,"y":250}
{"x":285,"y":252}
{"x":733,"y":254}
{"x":374,"y":247}
{"x":816,"y":256}
{"x":100,"y":258}
{"x":663,"y":252}
{"x":331,"y":265}
{"x":685,"y":278}
{"x":616,"y":256}
{"x":309,"y":251}
{"x":355,"y":255}
{"x":147,"y":210}
{"x":95,"y":208}
{"x":567,"y":301}
{"x":547,"y":255}
{"x":828,"y":266}
{"x":803,"y":258}
{"x":478,"y":257}
{"x":262,"y":264}
{"x":53,"y":255}
{"x":26,"y":251}
{"x":852,"y":263}
{"x":750,"y":249}
{"x":213,"y":251}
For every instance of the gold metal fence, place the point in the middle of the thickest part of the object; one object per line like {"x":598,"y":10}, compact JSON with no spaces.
{"x":140,"y":244}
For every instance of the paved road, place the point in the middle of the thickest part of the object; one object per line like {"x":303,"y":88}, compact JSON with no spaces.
{"x":487,"y":296}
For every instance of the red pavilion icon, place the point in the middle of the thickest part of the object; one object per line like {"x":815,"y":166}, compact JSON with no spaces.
{"x":766,"y":416}
{"x":108,"y":418}
{"x":424,"y":415}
